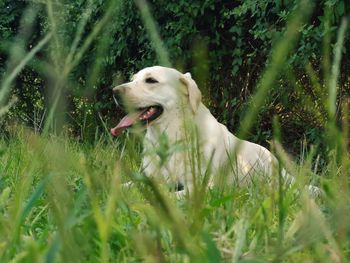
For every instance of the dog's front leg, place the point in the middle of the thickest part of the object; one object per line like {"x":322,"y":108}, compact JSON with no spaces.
{"x":180,"y":194}
{"x":127,"y":184}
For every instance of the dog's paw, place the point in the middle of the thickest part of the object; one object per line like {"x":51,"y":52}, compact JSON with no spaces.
{"x":180,"y":194}
{"x":127,"y":184}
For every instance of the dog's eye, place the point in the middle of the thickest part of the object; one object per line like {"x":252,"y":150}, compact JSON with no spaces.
{"x":151,"y":80}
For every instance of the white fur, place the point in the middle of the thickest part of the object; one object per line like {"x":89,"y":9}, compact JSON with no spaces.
{"x":184,"y":115}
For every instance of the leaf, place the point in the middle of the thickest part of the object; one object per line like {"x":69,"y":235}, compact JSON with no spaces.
{"x":212,"y":252}
{"x":220,"y":201}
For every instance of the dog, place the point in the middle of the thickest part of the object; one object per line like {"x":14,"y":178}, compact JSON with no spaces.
{"x":169,"y":104}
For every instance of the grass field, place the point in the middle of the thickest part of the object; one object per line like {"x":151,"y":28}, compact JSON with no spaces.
{"x":61,"y":200}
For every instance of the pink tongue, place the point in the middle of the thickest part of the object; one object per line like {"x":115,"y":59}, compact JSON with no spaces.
{"x":126,"y":122}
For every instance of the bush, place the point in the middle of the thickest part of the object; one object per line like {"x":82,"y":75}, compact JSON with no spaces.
{"x":225,"y":45}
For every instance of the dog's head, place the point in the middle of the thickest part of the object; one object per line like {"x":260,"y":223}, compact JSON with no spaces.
{"x":153,"y":94}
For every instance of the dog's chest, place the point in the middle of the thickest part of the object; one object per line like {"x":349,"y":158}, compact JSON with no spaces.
{"x":170,"y":157}
{"x":172,"y":167}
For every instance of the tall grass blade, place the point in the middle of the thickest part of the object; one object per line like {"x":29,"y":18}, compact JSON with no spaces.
{"x":332,"y":87}
{"x":154,"y":36}
{"x":6,"y":83}
{"x":277,"y":60}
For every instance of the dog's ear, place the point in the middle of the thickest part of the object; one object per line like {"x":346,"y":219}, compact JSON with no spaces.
{"x":194,"y":94}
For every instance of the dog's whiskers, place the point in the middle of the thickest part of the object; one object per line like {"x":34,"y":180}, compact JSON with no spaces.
{"x":116,"y":102}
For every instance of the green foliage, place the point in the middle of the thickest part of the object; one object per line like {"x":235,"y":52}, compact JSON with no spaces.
{"x":225,"y":45}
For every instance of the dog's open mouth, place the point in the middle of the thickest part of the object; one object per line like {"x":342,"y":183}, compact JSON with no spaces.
{"x":143,"y":115}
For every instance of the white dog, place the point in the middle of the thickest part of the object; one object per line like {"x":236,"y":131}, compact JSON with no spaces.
{"x":169,"y":104}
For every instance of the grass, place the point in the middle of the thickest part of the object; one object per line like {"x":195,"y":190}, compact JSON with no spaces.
{"x":63,"y":200}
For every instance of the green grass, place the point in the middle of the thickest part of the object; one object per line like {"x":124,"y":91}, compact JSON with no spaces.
{"x":63,"y":200}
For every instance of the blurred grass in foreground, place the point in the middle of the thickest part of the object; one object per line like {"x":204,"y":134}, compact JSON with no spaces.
{"x":62,"y":201}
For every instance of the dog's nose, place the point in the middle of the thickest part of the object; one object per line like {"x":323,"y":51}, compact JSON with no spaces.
{"x":117,"y":95}
{"x":119,"y":89}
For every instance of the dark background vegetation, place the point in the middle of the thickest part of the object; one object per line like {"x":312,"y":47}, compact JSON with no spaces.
{"x":224,"y":44}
